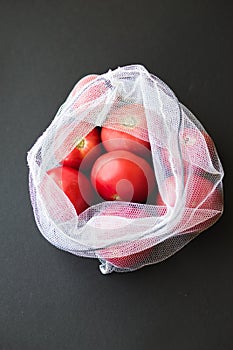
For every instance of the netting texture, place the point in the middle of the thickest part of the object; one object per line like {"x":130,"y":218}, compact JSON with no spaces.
{"x":126,"y":236}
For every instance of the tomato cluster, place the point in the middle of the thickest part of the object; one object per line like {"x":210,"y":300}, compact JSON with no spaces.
{"x":112,"y":164}
{"x":110,"y":172}
{"x":107,"y":164}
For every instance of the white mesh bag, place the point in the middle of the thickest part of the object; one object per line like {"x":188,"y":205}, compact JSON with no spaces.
{"x":125,"y":236}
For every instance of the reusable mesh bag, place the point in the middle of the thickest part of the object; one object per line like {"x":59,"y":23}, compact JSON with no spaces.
{"x":126,"y":236}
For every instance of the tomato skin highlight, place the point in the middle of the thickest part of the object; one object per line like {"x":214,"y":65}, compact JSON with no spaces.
{"x":75,"y":185}
{"x":129,"y":118}
{"x":87,"y":148}
{"x":122,"y":175}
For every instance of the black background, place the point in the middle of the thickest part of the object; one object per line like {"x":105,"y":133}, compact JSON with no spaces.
{"x":50,"y":299}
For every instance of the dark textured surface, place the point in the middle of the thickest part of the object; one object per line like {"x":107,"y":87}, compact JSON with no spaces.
{"x":50,"y":299}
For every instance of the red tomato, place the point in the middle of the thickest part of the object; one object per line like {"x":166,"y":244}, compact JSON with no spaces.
{"x":199,"y":189}
{"x":121,"y":175}
{"x":191,"y":143}
{"x":86,"y":151}
{"x":75,"y":185}
{"x":130,"y":121}
{"x":81,"y":83}
{"x":198,"y":195}
{"x":129,"y":261}
{"x":89,"y":91}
